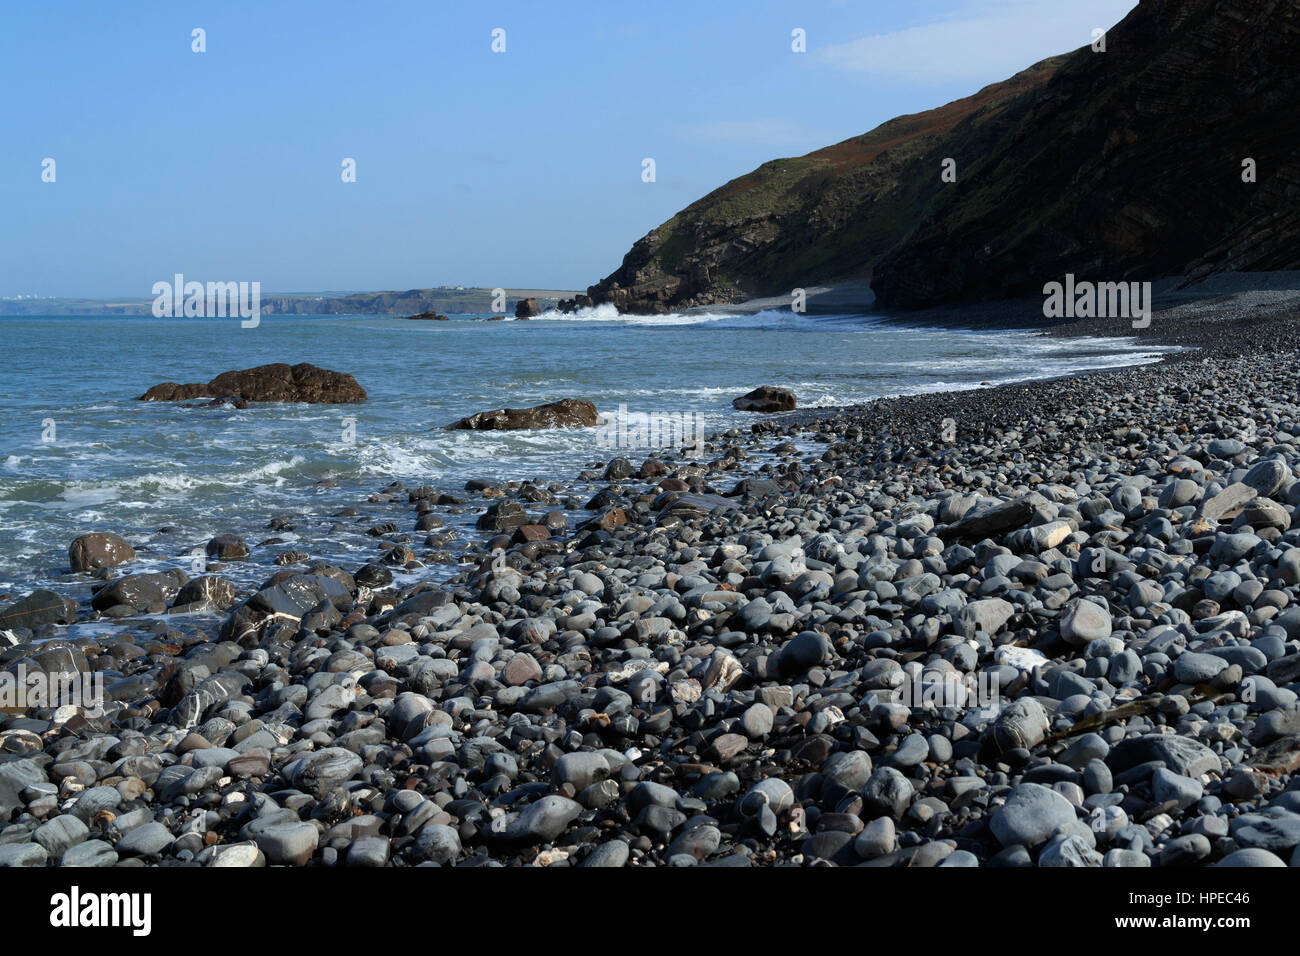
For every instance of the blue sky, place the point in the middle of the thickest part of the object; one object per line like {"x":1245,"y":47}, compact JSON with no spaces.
{"x":515,"y":169}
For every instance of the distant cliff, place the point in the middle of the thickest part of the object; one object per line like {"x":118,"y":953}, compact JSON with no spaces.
{"x":1120,"y":164}
{"x":446,"y":300}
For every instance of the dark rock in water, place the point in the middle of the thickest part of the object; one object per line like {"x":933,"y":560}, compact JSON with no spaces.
{"x":38,"y":609}
{"x":429,"y":316}
{"x":224,"y":401}
{"x":374,"y":576}
{"x":618,"y":469}
{"x":98,"y":550}
{"x":140,"y":592}
{"x":210,"y":590}
{"x":569,"y":306}
{"x":227,"y":547}
{"x":268,"y":383}
{"x":527,"y":308}
{"x":566,"y":413}
{"x":502,"y":516}
{"x":766,"y":398}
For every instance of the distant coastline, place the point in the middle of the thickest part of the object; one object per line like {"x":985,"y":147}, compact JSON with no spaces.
{"x":456,"y":300}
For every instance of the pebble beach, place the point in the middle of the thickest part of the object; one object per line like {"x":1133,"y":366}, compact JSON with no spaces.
{"x":1038,"y":624}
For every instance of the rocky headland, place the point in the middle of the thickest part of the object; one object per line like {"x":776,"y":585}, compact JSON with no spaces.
{"x":1171,"y":152}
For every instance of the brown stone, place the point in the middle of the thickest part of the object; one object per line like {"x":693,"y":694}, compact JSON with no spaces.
{"x":1280,"y":758}
{"x":728,"y":745}
{"x":268,"y":383}
{"x":520,"y":669}
{"x":99,"y":550}
{"x":227,"y":547}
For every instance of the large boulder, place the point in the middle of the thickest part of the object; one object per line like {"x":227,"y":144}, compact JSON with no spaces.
{"x":207,"y":591}
{"x":766,"y":398}
{"x":99,"y":550}
{"x":566,"y":413}
{"x":283,"y":602}
{"x":38,"y":609}
{"x":268,"y":383}
{"x":141,"y":592}
{"x":527,"y":308}
{"x":1031,"y":814}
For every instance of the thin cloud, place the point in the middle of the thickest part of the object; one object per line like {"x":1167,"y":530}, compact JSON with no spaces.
{"x":979,"y":42}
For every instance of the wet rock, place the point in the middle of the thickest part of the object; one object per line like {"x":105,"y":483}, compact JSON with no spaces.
{"x":98,"y":550}
{"x":566,"y":413}
{"x":766,"y":398}
{"x":268,"y":383}
{"x":37,"y":609}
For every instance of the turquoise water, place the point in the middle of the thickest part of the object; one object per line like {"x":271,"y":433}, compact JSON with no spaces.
{"x":118,"y":464}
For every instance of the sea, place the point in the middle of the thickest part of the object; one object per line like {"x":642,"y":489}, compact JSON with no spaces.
{"x":79,"y":452}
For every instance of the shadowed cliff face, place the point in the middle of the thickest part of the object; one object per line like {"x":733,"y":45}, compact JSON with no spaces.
{"x":1128,"y":164}
{"x":1117,"y":165}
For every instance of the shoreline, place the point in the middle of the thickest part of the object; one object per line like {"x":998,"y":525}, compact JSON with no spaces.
{"x":705,"y":670}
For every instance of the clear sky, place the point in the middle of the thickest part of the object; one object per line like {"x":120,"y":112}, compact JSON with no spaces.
{"x":514,"y":169}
